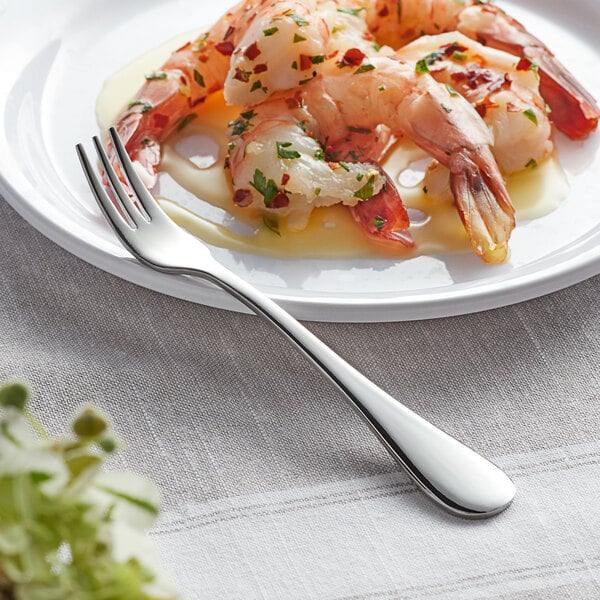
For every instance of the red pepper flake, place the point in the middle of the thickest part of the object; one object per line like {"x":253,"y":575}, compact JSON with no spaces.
{"x":242,"y":197}
{"x":483,"y":106}
{"x":384,"y":12}
{"x":280,"y":201}
{"x":285,"y":178}
{"x":450,"y":49}
{"x":160,"y":120}
{"x":524,"y":64}
{"x":203,"y":58}
{"x":240,"y":75}
{"x":252,"y":51}
{"x":225,"y":48}
{"x":353,"y":58}
{"x":305,"y":62}
{"x":229,"y":32}
{"x":294,"y":102}
{"x":260,"y":68}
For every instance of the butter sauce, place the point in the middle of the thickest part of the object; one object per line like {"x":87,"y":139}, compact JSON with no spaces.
{"x":199,"y":196}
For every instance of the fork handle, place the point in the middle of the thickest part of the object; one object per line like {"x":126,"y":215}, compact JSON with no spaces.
{"x":449,"y":472}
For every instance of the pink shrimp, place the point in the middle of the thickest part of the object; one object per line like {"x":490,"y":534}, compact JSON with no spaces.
{"x":392,"y":91}
{"x":279,"y":166}
{"x":241,"y":51}
{"x":397,"y":22}
{"x":506,"y":97}
{"x":383,"y":216}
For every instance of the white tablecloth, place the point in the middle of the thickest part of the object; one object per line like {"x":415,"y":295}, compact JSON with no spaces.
{"x":273,"y":487}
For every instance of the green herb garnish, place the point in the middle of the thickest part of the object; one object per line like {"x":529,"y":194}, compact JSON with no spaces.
{"x":268,"y":188}
{"x":283,"y":152}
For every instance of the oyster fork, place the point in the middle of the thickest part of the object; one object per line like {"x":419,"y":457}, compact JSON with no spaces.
{"x":453,"y":475}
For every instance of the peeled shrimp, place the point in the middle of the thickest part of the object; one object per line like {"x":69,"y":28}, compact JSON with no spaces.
{"x":397,"y":22}
{"x":412,"y":104}
{"x":241,"y":52}
{"x":506,"y":97}
{"x":279,"y":166}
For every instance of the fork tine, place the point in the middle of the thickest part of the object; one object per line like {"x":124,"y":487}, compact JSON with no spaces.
{"x":115,"y":218}
{"x":145,"y":198}
{"x":126,"y":202}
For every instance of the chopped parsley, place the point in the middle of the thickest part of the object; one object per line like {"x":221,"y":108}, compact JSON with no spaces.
{"x":319,"y":154}
{"x":355,"y":12}
{"x":532,"y":164}
{"x":367,"y":190}
{"x":298,"y":38}
{"x":146,"y":106}
{"x":155,"y":76}
{"x":185,"y":121}
{"x":199,"y":79}
{"x":300,"y":21}
{"x":305,"y":81}
{"x":530,"y":114}
{"x":379,"y":222}
{"x":242,"y":124}
{"x":344,"y":166}
{"x":283,"y":152}
{"x":451,"y":90}
{"x":364,"y":68}
{"x":271,"y":31}
{"x":268,"y":189}
{"x":421,"y":66}
{"x":272,"y":224}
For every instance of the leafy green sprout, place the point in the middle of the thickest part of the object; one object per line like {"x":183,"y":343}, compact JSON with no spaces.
{"x":62,"y":518}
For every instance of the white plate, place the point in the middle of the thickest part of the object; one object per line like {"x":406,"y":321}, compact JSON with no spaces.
{"x":56,"y":55}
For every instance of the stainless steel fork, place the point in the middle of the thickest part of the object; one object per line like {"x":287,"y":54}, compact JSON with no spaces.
{"x":452,"y":474}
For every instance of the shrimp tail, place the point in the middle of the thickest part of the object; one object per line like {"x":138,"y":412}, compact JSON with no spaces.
{"x":384,"y":215}
{"x":482,"y":203}
{"x":573,"y":110}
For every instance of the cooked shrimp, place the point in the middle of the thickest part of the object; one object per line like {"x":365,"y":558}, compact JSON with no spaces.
{"x":412,"y":104}
{"x":506,"y":97}
{"x":397,"y":22}
{"x":277,"y":162}
{"x":248,"y":51}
